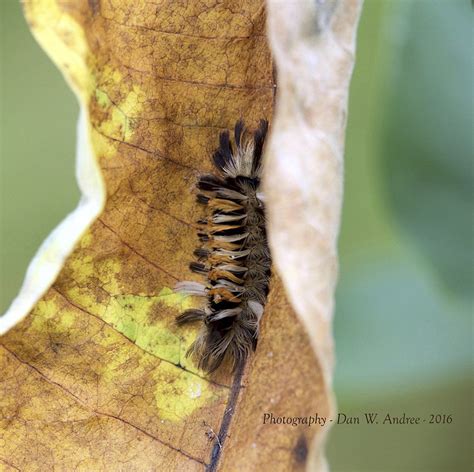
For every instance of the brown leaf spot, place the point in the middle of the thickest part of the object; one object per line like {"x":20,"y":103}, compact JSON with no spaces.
{"x":300,"y":451}
{"x":94,"y":5}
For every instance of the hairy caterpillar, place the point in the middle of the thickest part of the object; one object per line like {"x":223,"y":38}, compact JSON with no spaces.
{"x":234,"y":255}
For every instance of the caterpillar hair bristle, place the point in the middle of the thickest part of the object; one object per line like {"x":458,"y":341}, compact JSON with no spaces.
{"x":234,"y":255}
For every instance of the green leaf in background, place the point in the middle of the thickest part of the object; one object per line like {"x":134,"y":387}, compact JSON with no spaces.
{"x":402,"y":324}
{"x":37,"y":148}
{"x":427,"y":150}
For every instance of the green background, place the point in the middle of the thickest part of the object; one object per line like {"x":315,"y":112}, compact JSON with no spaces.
{"x":404,"y":300}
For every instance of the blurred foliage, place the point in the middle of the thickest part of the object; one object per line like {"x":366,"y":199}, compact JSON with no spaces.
{"x":37,"y":148}
{"x":427,"y":150}
{"x":404,"y":299}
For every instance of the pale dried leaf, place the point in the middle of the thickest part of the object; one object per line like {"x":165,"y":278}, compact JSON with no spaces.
{"x":313,"y":43}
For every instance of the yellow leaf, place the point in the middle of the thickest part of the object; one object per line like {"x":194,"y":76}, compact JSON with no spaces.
{"x":96,"y":377}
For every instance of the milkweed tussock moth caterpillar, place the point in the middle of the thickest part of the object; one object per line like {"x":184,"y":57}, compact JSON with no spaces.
{"x":234,"y":254}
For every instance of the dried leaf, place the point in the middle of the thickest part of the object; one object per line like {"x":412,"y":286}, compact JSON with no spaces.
{"x":313,"y":46}
{"x":314,"y":50}
{"x":95,"y":378}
